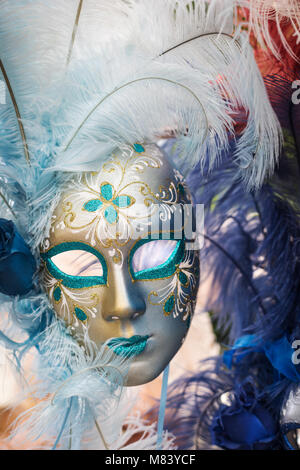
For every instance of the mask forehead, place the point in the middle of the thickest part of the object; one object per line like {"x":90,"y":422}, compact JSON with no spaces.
{"x":112,"y":206}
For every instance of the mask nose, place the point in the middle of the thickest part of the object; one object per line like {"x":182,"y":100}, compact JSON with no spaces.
{"x":122,"y":300}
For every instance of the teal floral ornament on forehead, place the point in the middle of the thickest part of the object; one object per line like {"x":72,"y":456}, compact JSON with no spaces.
{"x":110,"y":202}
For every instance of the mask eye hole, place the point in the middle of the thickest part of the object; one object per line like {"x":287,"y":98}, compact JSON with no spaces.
{"x":152,"y":254}
{"x":78,"y":263}
{"x":155,"y":259}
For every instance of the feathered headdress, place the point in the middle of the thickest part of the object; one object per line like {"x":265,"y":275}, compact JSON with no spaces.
{"x":251,"y":263}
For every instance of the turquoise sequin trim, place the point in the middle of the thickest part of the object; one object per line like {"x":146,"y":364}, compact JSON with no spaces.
{"x":107,"y":191}
{"x":169,"y":305}
{"x":57,"y":294}
{"x":111,"y":215}
{"x":128,"y":347}
{"x":164,"y":270}
{"x":122,"y":201}
{"x":183,"y":278}
{"x":93,"y":205}
{"x":74,"y":282}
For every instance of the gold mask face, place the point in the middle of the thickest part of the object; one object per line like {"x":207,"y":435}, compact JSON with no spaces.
{"x":112,"y":266}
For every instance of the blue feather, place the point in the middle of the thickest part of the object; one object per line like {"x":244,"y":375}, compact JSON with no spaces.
{"x":252,"y":252}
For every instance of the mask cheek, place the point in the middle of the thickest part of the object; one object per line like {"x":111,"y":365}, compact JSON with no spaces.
{"x":80,"y":309}
{"x":75,"y":306}
{"x":176,"y":295}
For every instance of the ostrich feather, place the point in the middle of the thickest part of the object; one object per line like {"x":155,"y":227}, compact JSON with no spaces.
{"x":201,"y":34}
{"x":76,"y":23}
{"x":193,"y":400}
{"x":42,"y":38}
{"x":250,"y":256}
{"x":269,"y":21}
{"x":217,"y":78}
{"x":22,"y":132}
{"x":36,"y":44}
{"x":145,"y":96}
{"x":80,"y":401}
{"x":167,"y":26}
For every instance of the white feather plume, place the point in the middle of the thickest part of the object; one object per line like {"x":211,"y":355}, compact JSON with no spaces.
{"x":281,"y":12}
{"x":80,"y":398}
{"x":131,"y":92}
{"x":200,"y":85}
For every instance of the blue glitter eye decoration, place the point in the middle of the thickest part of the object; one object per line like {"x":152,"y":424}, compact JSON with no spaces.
{"x":155,"y":259}
{"x":81,"y":267}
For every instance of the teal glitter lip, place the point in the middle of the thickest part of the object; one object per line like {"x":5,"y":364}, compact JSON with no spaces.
{"x":128,"y":347}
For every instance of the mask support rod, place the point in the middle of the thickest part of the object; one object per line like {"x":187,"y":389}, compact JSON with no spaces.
{"x":162,"y":408}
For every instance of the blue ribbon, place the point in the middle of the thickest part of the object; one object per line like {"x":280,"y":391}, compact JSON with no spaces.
{"x":162,"y":408}
{"x":278,"y":352}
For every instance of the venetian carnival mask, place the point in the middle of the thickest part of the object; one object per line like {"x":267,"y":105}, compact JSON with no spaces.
{"x":117,"y":263}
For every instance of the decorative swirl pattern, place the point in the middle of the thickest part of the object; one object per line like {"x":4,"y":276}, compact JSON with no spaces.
{"x":107,"y":210}
{"x":178,"y":296}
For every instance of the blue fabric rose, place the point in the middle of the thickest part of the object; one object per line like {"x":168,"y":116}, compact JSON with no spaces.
{"x":246,"y":424}
{"x":17,"y":264}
